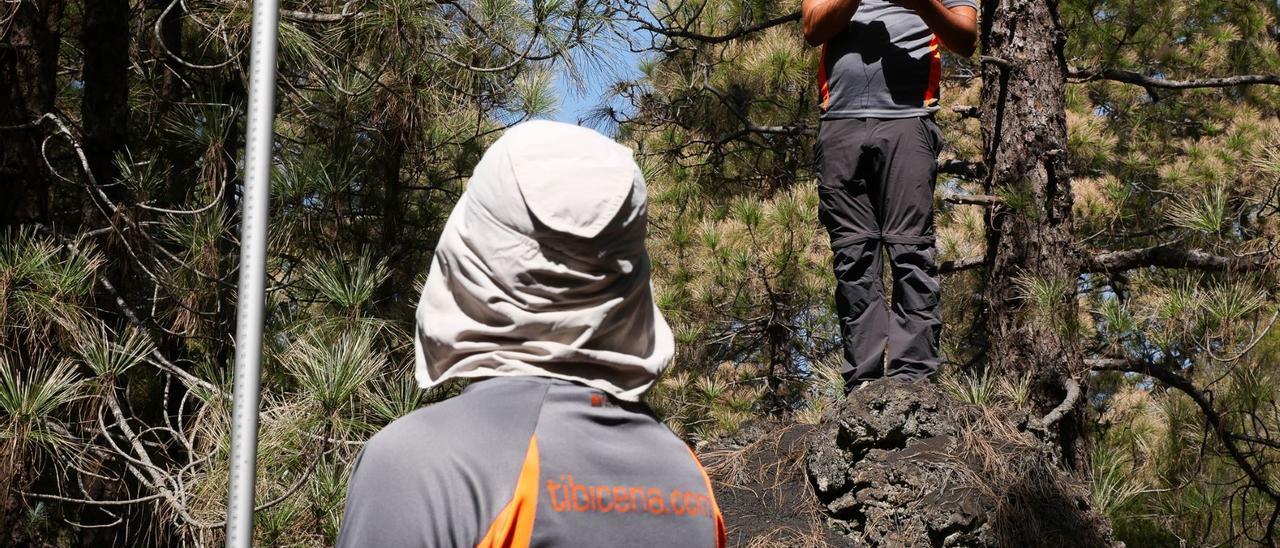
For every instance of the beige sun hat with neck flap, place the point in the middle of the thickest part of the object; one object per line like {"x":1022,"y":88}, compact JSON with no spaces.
{"x":542,"y":269}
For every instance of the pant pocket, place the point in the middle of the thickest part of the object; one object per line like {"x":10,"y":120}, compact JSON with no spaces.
{"x":932,"y":134}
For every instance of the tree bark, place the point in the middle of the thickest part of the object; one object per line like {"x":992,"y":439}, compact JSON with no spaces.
{"x":28,"y":82}
{"x":178,"y":179}
{"x":1025,"y":138}
{"x":392,"y":245}
{"x":1164,"y":256}
{"x":393,"y":188}
{"x":105,"y":103}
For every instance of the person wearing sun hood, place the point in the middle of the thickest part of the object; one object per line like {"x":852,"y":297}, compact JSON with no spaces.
{"x":540,"y":289}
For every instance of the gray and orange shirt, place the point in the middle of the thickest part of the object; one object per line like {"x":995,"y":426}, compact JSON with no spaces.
{"x":887,"y":64}
{"x":529,"y":461}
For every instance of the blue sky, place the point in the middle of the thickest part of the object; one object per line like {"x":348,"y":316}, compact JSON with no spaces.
{"x":573,"y":104}
{"x":616,"y":62}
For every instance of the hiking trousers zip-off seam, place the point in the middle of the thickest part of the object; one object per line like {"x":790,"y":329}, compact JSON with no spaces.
{"x":876,"y":180}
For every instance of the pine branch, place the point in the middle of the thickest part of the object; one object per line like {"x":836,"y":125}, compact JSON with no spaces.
{"x":972,"y":199}
{"x":963,"y":168}
{"x":1130,"y":77}
{"x":157,"y":359}
{"x":718,"y":39}
{"x":308,"y":17}
{"x":1182,"y":384}
{"x":967,"y":111}
{"x":961,"y":264}
{"x":1168,"y":257}
{"x":1068,"y":403}
{"x":751,"y":129}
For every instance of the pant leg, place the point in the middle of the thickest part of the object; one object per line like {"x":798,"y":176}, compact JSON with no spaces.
{"x":910,"y":148}
{"x":864,"y":315}
{"x":916,"y":323}
{"x":847,"y":208}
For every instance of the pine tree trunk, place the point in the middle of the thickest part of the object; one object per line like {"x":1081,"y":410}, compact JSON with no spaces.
{"x":178,"y":179}
{"x":393,"y":188}
{"x":28,"y":89}
{"x":1030,"y":246}
{"x":105,"y":106}
{"x":392,"y":247}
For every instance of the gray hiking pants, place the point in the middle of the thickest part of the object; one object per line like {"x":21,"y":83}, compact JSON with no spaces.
{"x":876,"y":180}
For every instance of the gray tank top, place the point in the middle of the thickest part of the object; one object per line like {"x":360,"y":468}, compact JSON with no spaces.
{"x":887,"y":64}
{"x":529,"y":462}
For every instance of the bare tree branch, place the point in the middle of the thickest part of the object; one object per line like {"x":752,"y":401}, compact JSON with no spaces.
{"x":997,"y":61}
{"x":308,"y":17}
{"x":966,"y":111}
{"x":963,"y":168}
{"x":93,"y":502}
{"x":717,"y":39}
{"x":1068,"y":403}
{"x":1182,"y":384}
{"x":961,"y":264}
{"x":155,"y":477}
{"x":972,"y":199}
{"x":159,"y":37}
{"x":1130,"y":77}
{"x":1169,"y":257}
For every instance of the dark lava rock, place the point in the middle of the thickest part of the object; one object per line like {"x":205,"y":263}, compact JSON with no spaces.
{"x":901,"y":464}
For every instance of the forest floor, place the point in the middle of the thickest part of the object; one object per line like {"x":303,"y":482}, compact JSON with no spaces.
{"x":763,"y":490}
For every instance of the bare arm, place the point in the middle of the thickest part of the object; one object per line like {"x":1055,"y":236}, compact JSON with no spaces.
{"x":824,"y":19}
{"x":956,"y":28}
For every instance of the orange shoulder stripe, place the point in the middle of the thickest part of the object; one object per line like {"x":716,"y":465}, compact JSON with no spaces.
{"x":514,"y":525}
{"x":824,"y":87}
{"x":935,"y":73}
{"x":721,"y":536}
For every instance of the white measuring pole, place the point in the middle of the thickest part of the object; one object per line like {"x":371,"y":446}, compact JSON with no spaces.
{"x":251,"y":291}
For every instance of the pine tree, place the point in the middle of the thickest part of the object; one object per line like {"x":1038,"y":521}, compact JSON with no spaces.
{"x":1104,"y":221}
{"x":121,"y":140}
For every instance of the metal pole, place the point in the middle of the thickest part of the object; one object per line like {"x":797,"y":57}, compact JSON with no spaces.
{"x":251,"y":294}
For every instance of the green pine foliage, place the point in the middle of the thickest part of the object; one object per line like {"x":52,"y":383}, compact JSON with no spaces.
{"x":117,"y":308}
{"x":1193,"y":169}
{"x":740,"y":259}
{"x":727,"y":126}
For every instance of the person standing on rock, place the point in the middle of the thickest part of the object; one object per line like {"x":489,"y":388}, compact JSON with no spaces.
{"x":539,"y":291}
{"x":877,"y":149}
